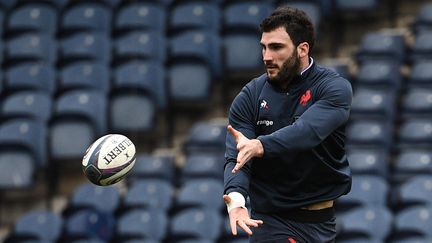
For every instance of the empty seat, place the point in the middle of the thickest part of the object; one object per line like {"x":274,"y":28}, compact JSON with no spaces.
{"x":203,"y":165}
{"x":90,"y":196}
{"x":196,"y":223}
{"x":39,"y":225}
{"x":411,"y":162}
{"x":373,"y":103}
{"x":141,"y":16}
{"x":417,"y":102}
{"x":352,"y":5}
{"x":422,"y":47}
{"x":149,"y":194}
{"x":370,"y":133}
{"x":150,"y":166}
{"x":242,"y":53}
{"x":195,"y":15}
{"x":32,"y":47}
{"x":248,"y":14}
{"x":206,"y":136}
{"x":414,"y":221}
{"x":141,"y":223}
{"x":141,"y":45}
{"x":382,"y":46}
{"x":86,"y":16}
{"x":204,"y":193}
{"x":33,"y":16}
{"x":31,"y":75}
{"x":421,"y":74}
{"x":416,"y":190}
{"x":379,"y":73}
{"x":19,"y":174}
{"x":85,"y":75}
{"x":415,"y":132}
{"x":88,"y":224}
{"x":148,"y":77}
{"x":30,"y":104}
{"x":372,"y":161}
{"x":86,"y":45}
{"x":411,"y":239}
{"x":423,"y":18}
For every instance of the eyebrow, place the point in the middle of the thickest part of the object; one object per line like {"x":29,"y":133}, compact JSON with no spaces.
{"x":273,"y":44}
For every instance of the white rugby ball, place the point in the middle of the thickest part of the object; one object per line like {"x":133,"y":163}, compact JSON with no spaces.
{"x":109,"y":159}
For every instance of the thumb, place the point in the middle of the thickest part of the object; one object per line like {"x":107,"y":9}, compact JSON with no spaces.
{"x":226,"y":198}
{"x":236,"y":134}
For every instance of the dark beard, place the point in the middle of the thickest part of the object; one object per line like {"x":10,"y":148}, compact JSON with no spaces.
{"x":288,"y":73}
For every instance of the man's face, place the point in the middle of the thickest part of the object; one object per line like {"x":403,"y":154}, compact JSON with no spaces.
{"x":279,"y":56}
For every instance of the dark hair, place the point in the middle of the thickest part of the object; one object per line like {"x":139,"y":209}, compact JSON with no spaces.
{"x":297,"y":24}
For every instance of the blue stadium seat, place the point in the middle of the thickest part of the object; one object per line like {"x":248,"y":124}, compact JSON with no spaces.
{"x":89,"y":240}
{"x":27,"y":134}
{"x":341,"y":66}
{"x":89,"y":196}
{"x":189,"y":83}
{"x":242,"y":53}
{"x":145,"y":76}
{"x":373,"y":103}
{"x":141,"y":45}
{"x":141,"y":16}
{"x":422,"y":47}
{"x":359,"y":240}
{"x":195,"y":15}
{"x":88,"y":224}
{"x":19,"y":174}
{"x":8,"y":4}
{"x":352,"y":5}
{"x":370,"y":133}
{"x":203,"y":165}
{"x":366,"y":190}
{"x":415,"y":191}
{"x":150,"y":166}
{"x":203,"y":193}
{"x":373,"y":161}
{"x":86,"y":16}
{"x":374,"y":222}
{"x":423,"y":18}
{"x":410,"y":162}
{"x":32,"y":47}
{"x":85,"y":75}
{"x":141,"y":241}
{"x":31,"y":75}
{"x":86,"y":46}
{"x":206,"y":137}
{"x":200,"y":45}
{"x":142,"y":223}
{"x":414,"y":221}
{"x":149,"y":193}
{"x":417,"y":102}
{"x":196,"y":223}
{"x":196,"y":241}
{"x":248,"y":14}
{"x":416,"y":239}
{"x":415,"y":132}
{"x":80,"y":116}
{"x":39,"y":225}
{"x":30,"y":104}
{"x":33,"y":16}
{"x":379,"y":73}
{"x":421,"y":74}
{"x":382,"y":46}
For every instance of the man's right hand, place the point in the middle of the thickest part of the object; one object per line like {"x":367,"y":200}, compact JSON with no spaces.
{"x":240,"y":216}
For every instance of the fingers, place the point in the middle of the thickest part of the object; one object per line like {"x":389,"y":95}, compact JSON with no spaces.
{"x":243,"y":225}
{"x":233,"y":224}
{"x":234,"y":132}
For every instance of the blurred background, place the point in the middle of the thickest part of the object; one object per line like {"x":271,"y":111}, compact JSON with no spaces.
{"x":164,"y":73}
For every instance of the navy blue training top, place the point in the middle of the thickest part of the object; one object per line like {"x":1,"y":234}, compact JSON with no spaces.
{"x":302,"y":130}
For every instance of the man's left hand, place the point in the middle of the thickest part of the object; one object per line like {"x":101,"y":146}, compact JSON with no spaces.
{"x":247,"y":148}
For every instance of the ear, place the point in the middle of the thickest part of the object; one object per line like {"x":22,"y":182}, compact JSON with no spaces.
{"x":303,"y":49}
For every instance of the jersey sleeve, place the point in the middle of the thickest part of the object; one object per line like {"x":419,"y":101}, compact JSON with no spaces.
{"x":330,"y":111}
{"x":241,"y":117}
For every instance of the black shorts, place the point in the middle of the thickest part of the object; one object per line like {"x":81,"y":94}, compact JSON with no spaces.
{"x":300,"y":226}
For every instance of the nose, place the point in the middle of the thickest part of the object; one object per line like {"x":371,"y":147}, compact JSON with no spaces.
{"x":267,"y":57}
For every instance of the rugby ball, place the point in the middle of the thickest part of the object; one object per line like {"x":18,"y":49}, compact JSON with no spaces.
{"x":109,"y":159}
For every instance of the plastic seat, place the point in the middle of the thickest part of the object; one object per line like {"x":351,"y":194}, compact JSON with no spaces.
{"x":85,"y":75}
{"x":19,"y":174}
{"x":417,"y":102}
{"x":149,"y":224}
{"x":90,"y":196}
{"x":379,"y":73}
{"x":32,"y":47}
{"x":148,"y":166}
{"x":415,"y":132}
{"x":370,"y":133}
{"x":422,"y":47}
{"x":373,"y":161}
{"x":88,"y":224}
{"x":141,"y":45}
{"x":33,"y":16}
{"x":382,"y":46}
{"x":204,"y":193}
{"x":206,"y":137}
{"x":195,"y":15}
{"x":89,"y":240}
{"x":352,"y":5}
{"x":414,"y":191}
{"x":149,"y":194}
{"x":366,"y":190}
{"x":196,"y":241}
{"x":203,"y":165}
{"x":141,"y":241}
{"x":414,"y":221}
{"x":410,"y":162}
{"x":40,"y":225}
{"x":373,"y":103}
{"x":142,"y":75}
{"x":374,"y":222}
{"x":249,"y":14}
{"x":203,"y":46}
{"x":27,"y":134}
{"x":421,"y":74}
{"x":242,"y":52}
{"x":34,"y":76}
{"x":423,"y":19}
{"x":27,"y":104}
{"x":80,"y":116}
{"x":86,"y":16}
{"x":86,"y":46}
{"x":196,"y":223}
{"x":141,"y":16}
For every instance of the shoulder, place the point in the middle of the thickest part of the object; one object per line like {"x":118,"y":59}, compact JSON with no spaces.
{"x":249,"y":94}
{"x":328,"y":80}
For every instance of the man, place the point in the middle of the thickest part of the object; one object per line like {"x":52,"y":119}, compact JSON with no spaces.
{"x":285,"y":146}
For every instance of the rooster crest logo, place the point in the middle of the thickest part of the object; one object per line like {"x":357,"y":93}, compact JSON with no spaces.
{"x":305,"y":97}
{"x":264,"y":104}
